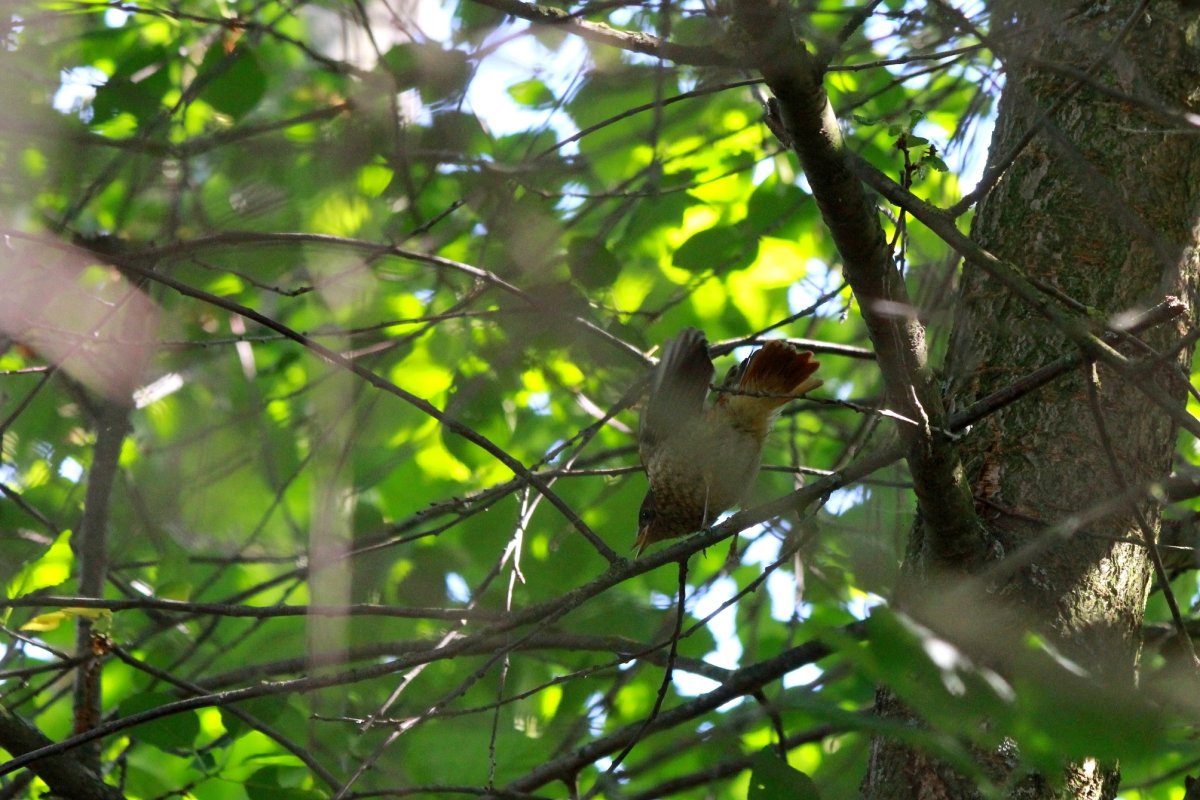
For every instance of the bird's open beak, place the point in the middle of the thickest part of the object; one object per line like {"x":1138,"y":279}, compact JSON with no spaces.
{"x":643,"y":540}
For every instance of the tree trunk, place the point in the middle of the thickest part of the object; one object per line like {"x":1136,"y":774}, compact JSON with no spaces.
{"x":1101,"y":207}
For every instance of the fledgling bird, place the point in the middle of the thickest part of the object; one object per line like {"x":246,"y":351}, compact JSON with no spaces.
{"x":701,"y":460}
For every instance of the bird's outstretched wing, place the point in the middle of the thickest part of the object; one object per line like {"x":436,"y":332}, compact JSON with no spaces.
{"x":677,"y":388}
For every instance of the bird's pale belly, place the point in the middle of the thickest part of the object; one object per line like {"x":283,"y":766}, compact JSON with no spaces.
{"x":705,"y":470}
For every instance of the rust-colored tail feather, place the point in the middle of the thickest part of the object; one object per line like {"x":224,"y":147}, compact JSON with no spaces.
{"x":781,"y":372}
{"x":759,"y":387}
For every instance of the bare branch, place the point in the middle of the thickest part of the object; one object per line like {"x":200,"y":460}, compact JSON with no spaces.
{"x":65,"y":775}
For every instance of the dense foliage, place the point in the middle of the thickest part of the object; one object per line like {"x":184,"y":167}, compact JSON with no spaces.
{"x":384,"y":283}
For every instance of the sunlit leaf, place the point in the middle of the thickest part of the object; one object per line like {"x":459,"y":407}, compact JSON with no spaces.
{"x":52,"y":568}
{"x":531,"y":93}
{"x":46,"y":622}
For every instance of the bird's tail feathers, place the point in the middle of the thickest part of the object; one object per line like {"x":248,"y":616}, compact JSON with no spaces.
{"x":780,"y":372}
{"x":768,"y":379}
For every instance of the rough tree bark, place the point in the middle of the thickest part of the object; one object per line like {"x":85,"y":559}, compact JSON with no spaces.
{"x":1101,"y":206}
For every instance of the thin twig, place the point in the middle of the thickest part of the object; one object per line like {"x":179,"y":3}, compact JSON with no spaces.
{"x":254,"y":612}
{"x":668,"y":673}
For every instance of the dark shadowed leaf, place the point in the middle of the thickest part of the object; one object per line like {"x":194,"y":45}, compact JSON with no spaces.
{"x":773,"y":779}
{"x":591,"y":262}
{"x":719,"y":249}
{"x":235,"y":82}
{"x":174,"y":732}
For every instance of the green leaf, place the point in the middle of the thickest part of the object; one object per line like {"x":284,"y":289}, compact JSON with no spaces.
{"x":264,"y":709}
{"x":272,"y":783}
{"x":404,"y":63}
{"x":457,"y":131}
{"x":135,"y":87}
{"x":51,"y":568}
{"x":771,"y":778}
{"x":532,"y":93}
{"x":141,"y":100}
{"x":238,"y":81}
{"x":720,"y":249}
{"x":170,"y":733}
{"x":436,"y":71}
{"x":591,"y":263}
{"x":478,"y":17}
{"x":934,"y":162}
{"x":780,"y":209}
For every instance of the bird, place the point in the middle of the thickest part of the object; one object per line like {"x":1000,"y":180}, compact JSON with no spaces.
{"x":701,"y":459}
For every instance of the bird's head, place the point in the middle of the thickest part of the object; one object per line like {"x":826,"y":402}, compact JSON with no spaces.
{"x":656,"y":523}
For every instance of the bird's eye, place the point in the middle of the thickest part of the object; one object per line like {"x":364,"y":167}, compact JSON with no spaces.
{"x":645,"y":516}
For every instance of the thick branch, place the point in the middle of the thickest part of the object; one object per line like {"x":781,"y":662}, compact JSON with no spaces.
{"x":938,"y":477}
{"x":64,"y":774}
